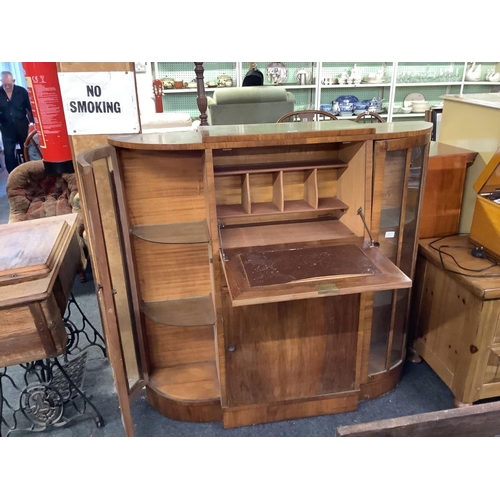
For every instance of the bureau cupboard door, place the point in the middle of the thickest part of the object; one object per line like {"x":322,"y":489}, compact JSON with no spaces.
{"x":290,"y":350}
{"x":399,"y":173}
{"x":123,"y":333}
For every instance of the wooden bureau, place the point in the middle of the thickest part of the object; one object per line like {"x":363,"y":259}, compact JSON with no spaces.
{"x":238,"y":281}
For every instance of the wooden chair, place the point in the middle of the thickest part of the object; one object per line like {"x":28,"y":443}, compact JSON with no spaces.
{"x":31,"y":144}
{"x":311,"y":115}
{"x":369,"y":117}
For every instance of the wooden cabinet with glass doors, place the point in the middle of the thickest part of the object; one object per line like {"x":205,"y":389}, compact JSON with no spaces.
{"x":268,"y":267}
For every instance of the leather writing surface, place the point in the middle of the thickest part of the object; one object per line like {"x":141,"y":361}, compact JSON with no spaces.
{"x":274,"y":267}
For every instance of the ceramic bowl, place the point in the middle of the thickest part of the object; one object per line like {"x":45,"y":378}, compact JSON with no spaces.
{"x":359,"y":106}
{"x":406,"y":109}
{"x":178,"y":84}
{"x":326,"y":107}
{"x":420,"y":106}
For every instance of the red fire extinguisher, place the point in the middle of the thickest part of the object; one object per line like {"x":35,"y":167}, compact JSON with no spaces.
{"x":48,"y":114}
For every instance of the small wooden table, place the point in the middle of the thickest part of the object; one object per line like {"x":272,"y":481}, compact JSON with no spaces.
{"x":456,"y":318}
{"x":39,"y":261}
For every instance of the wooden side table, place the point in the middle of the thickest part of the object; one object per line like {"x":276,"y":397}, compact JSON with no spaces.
{"x":456,"y":318}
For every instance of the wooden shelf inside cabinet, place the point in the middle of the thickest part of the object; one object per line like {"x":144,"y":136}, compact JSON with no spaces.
{"x":189,"y":311}
{"x":332,"y":204}
{"x":281,"y":232}
{"x":290,"y":206}
{"x":260,"y":168}
{"x":188,"y":382}
{"x":179,"y":233}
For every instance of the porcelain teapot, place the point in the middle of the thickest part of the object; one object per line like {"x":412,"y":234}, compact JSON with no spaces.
{"x":491,"y":76}
{"x":224,"y":81}
{"x":343,"y":77}
{"x":473,"y":74}
{"x":374,"y":105}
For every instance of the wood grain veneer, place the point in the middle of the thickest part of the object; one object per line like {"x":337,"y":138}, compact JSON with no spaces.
{"x":186,"y":392}
{"x":290,"y":350}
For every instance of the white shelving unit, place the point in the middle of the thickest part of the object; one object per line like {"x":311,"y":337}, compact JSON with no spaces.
{"x":312,"y":95}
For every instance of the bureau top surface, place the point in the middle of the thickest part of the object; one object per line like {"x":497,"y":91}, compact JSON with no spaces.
{"x":220,"y":136}
{"x":484,"y":283}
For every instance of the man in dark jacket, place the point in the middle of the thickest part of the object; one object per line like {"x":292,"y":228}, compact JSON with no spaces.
{"x":15,"y":117}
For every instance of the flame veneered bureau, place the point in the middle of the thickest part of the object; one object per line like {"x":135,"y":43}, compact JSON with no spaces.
{"x":256,"y":273}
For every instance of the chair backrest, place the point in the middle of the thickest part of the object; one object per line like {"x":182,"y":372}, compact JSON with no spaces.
{"x":32,"y":147}
{"x":245,"y":105}
{"x":369,"y":117}
{"x":308,"y":115}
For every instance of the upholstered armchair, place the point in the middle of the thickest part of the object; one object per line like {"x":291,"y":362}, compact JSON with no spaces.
{"x":242,"y":105}
{"x":33,"y":194}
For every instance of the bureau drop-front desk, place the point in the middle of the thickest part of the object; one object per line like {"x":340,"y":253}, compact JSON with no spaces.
{"x":236,"y":278}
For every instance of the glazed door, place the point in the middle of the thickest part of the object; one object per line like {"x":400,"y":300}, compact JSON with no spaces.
{"x":399,"y":170}
{"x":112,"y":275}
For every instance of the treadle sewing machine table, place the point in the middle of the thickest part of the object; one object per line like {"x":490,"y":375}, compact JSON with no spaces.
{"x":238,"y":281}
{"x":38,"y":265}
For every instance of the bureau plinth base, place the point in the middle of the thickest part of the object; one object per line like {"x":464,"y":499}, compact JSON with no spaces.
{"x":289,"y":410}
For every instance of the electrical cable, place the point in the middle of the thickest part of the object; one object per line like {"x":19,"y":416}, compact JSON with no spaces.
{"x":441,"y":252}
